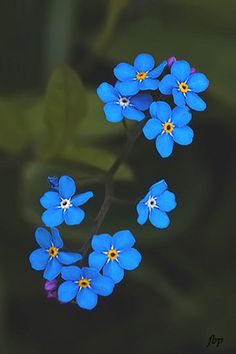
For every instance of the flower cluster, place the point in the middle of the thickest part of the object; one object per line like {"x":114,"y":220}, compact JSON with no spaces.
{"x":166,"y":124}
{"x":67,"y":277}
{"x":106,"y":264}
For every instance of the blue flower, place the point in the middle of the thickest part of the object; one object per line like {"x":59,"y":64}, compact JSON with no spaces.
{"x":114,"y":254}
{"x":168,"y":126}
{"x":155,"y":204}
{"x":118,"y":106}
{"x":62,"y":206}
{"x":49,"y":257}
{"x":140,"y":76}
{"x":184,"y":85}
{"x":85,"y":285}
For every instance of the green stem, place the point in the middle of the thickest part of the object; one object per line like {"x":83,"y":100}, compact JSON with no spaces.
{"x":108,"y":197}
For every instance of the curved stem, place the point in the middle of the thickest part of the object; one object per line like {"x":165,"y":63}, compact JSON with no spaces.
{"x":108,"y":197}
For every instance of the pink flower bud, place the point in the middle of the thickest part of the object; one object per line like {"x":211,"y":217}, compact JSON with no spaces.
{"x":171,"y":61}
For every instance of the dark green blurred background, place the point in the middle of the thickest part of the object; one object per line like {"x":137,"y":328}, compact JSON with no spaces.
{"x":185,"y":289}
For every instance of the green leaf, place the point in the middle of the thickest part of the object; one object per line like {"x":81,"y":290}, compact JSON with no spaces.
{"x":14,"y":133}
{"x":95,"y":123}
{"x":64,"y":109}
{"x":99,"y":158}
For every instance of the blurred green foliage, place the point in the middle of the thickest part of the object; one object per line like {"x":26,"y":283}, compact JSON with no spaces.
{"x":53,"y":56}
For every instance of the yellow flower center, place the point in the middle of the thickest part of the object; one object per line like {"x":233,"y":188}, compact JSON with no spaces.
{"x":112,"y":254}
{"x":168,"y":127}
{"x":83,"y":282}
{"x":183,"y":87}
{"x":141,"y":75}
{"x":53,"y":251}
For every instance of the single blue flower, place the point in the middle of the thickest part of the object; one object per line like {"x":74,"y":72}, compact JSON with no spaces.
{"x":118,"y":106}
{"x":85,"y":285}
{"x":140,"y":76}
{"x":114,"y":254}
{"x":49,"y":257}
{"x":168,"y":126}
{"x":154,"y":206}
{"x":62,"y":205}
{"x":184,"y":85}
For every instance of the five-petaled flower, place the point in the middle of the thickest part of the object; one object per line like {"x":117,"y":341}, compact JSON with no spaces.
{"x":155,"y":204}
{"x":118,"y":106}
{"x":140,"y":76}
{"x":84,"y":285}
{"x":62,"y":205}
{"x":185,"y":84}
{"x":114,"y":254}
{"x":49,"y":257}
{"x":168,"y":126}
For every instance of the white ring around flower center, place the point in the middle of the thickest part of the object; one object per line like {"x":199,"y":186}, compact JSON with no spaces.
{"x":151,"y":203}
{"x":65,"y":204}
{"x":124,"y":101}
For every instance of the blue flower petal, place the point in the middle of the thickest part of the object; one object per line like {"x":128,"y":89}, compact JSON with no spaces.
{"x":158,"y":188}
{"x":142,"y":211}
{"x":181,"y":70}
{"x":67,"y":187}
{"x":160,"y":110}
{"x":71,"y":273}
{"x":141,"y":101}
{"x":67,"y":291}
{"x":43,"y":238}
{"x":183,"y":136}
{"x":107,"y":93}
{"x":113,"y":112}
{"x":166,"y":201}
{"x":50,"y":199}
{"x":113,"y":270}
{"x":39,"y":259}
{"x":123,"y":239}
{"x":124,"y":71}
{"x":86,"y":299}
{"x":179,"y":99}
{"x":130,"y":259}
{"x":69,"y":257}
{"x":128,"y":88}
{"x":90,"y":273}
{"x":97,"y":260}
{"x":144,"y":62}
{"x":149,"y":84}
{"x":167,"y":84}
{"x":81,"y":199}
{"x":159,"y":218}
{"x":195,"y":102}
{"x":198,"y":82}
{"x":53,"y":269}
{"x":133,"y":114}
{"x":56,"y":238}
{"x":164,"y":145}
{"x":158,"y":70}
{"x":74,"y":216}
{"x":53,"y":217}
{"x":101,"y":243}
{"x":102,"y":285}
{"x":181,"y":116}
{"x":152,"y":128}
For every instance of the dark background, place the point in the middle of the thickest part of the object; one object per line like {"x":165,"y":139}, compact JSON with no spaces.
{"x":185,"y":289}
